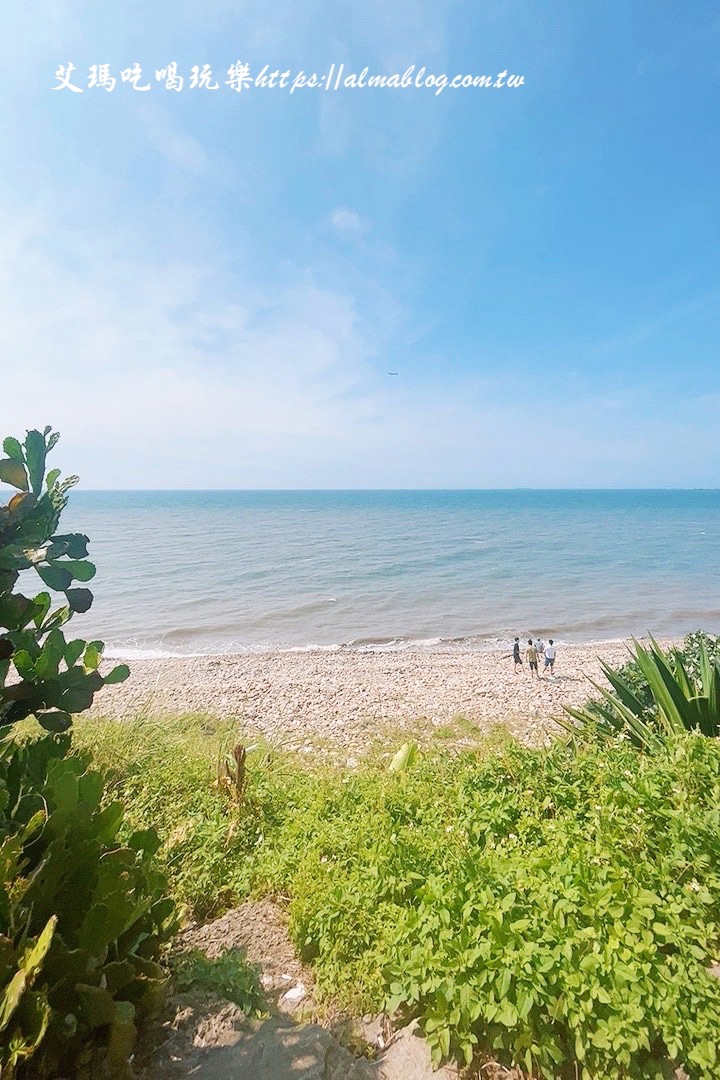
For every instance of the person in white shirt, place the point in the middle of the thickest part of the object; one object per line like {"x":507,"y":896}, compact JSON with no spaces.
{"x":550,"y":655}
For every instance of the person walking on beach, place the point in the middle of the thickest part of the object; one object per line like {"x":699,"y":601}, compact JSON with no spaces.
{"x":550,"y":656}
{"x":540,"y":646}
{"x":517,"y":658}
{"x":531,"y":655}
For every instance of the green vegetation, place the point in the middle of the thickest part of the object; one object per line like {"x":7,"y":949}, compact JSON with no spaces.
{"x":228,"y":976}
{"x":83,"y":916}
{"x":631,"y":673}
{"x":56,"y":677}
{"x":659,"y":694}
{"x":558,"y":908}
{"x":168,"y":772}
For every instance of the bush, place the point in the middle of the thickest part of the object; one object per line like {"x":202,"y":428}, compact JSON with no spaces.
{"x":554,"y":908}
{"x":690,"y":652}
{"x":53,"y":678}
{"x":683,"y":696}
{"x":82,"y":916}
{"x":579,"y":939}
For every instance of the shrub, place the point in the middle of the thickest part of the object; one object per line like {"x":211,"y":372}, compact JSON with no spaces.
{"x":632,"y":674}
{"x":556,"y":908}
{"x":54,"y":678}
{"x":82,"y":916}
{"x":679,"y":700}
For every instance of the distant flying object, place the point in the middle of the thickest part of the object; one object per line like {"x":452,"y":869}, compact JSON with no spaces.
{"x":392,"y":372}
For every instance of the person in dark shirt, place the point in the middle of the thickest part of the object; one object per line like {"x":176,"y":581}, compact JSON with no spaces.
{"x":517,"y":658}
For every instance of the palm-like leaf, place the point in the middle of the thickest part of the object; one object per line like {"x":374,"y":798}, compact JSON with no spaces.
{"x":680,"y":702}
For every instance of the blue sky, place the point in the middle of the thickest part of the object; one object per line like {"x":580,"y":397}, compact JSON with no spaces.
{"x":207,"y":289}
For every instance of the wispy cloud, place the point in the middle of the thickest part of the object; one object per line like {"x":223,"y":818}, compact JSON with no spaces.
{"x":125,"y":354}
{"x":168,"y":139}
{"x":347,"y":222}
{"x":650,"y":327}
{"x":158,"y":374}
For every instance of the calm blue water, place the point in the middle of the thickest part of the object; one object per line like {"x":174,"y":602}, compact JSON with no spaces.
{"x":184,"y":572}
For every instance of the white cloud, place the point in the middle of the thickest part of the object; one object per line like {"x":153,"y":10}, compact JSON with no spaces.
{"x":147,"y":361}
{"x":347,"y":222}
{"x":160,"y":375}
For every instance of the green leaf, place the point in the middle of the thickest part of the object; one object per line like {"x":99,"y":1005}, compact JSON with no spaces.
{"x":97,"y":1004}
{"x":579,"y":1047}
{"x":80,"y":600}
{"x":55,"y":721}
{"x":507,"y":1014}
{"x":42,"y":606}
{"x":81,"y":570}
{"x":73,"y":545}
{"x":122,"y":1035}
{"x":35,"y":955}
{"x":92,"y":657}
{"x":55,"y":577}
{"x":13,"y":449}
{"x":623,"y":690}
{"x":73,"y":651}
{"x":118,"y":674}
{"x":35,"y":451}
{"x":146,"y":840}
{"x":109,"y":820}
{"x":13,"y":473}
{"x":672,"y":703}
{"x":58,"y":618}
{"x":29,"y":965}
{"x":404,"y":758}
{"x":76,"y":699}
{"x":15,"y":611}
{"x":24,"y":663}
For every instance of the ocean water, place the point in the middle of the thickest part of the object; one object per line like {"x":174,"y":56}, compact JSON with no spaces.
{"x":227,"y":571}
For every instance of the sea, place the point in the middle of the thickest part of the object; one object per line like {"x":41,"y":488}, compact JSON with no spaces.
{"x":203,"y":572}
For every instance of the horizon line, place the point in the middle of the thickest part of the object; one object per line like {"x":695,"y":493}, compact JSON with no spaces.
{"x":389,"y":490}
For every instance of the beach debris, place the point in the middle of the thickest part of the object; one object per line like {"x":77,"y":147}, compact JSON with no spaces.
{"x":232,"y":776}
{"x":404,"y":758}
{"x":295,"y":994}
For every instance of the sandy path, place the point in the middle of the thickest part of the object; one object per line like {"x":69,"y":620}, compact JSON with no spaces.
{"x":349,"y":697}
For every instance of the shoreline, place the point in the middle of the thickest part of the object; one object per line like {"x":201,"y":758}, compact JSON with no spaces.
{"x":348,"y":699}
{"x":423,"y":646}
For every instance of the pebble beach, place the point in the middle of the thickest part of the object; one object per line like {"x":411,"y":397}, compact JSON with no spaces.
{"x":347,"y":699}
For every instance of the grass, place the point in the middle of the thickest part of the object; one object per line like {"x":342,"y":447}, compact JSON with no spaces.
{"x":228,"y":976}
{"x":557,"y":908}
